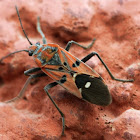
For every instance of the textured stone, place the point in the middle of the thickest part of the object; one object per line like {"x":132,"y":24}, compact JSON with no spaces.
{"x":116,"y":27}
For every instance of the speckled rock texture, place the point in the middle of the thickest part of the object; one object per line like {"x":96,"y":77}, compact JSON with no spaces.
{"x":116,"y":27}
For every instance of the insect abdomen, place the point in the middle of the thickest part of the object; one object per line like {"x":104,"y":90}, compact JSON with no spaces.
{"x":93,"y":89}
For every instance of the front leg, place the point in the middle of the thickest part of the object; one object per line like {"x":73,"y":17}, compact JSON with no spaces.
{"x":32,"y":70}
{"x":85,"y":47}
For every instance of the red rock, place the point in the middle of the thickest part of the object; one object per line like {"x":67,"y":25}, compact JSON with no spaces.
{"x":115,"y":25}
{"x":126,"y":126}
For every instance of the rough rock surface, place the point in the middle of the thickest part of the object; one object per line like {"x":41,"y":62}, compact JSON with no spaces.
{"x":116,"y":26}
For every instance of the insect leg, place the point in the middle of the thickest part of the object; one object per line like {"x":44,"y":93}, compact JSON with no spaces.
{"x":40,"y":31}
{"x":46,"y":88}
{"x":94,"y":53}
{"x":11,"y":54}
{"x":85,"y":47}
{"x":28,"y":72}
{"x":25,"y":86}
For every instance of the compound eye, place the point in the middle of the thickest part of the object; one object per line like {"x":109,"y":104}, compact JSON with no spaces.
{"x":31,"y":52}
{"x":38,"y":43}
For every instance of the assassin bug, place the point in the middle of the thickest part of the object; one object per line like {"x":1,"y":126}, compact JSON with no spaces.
{"x":66,"y":70}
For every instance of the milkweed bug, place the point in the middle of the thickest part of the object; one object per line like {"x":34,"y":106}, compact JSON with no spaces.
{"x":66,"y":70}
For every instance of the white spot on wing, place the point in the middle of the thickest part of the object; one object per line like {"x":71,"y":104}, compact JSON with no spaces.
{"x":74,"y":75}
{"x":80,"y":90}
{"x":87,"y":85}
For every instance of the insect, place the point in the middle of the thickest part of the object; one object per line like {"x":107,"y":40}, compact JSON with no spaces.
{"x":66,"y":70}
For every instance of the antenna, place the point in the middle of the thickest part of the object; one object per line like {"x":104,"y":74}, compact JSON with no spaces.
{"x":22,"y":26}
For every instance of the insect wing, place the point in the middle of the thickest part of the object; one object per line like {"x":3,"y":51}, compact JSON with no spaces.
{"x":91,"y":86}
{"x":78,"y":78}
{"x":74,"y":64}
{"x":93,"y":89}
{"x":64,"y":79}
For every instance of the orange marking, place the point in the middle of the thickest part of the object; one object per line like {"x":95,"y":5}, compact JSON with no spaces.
{"x":39,"y":50}
{"x":33,"y":47}
{"x":38,"y":62}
